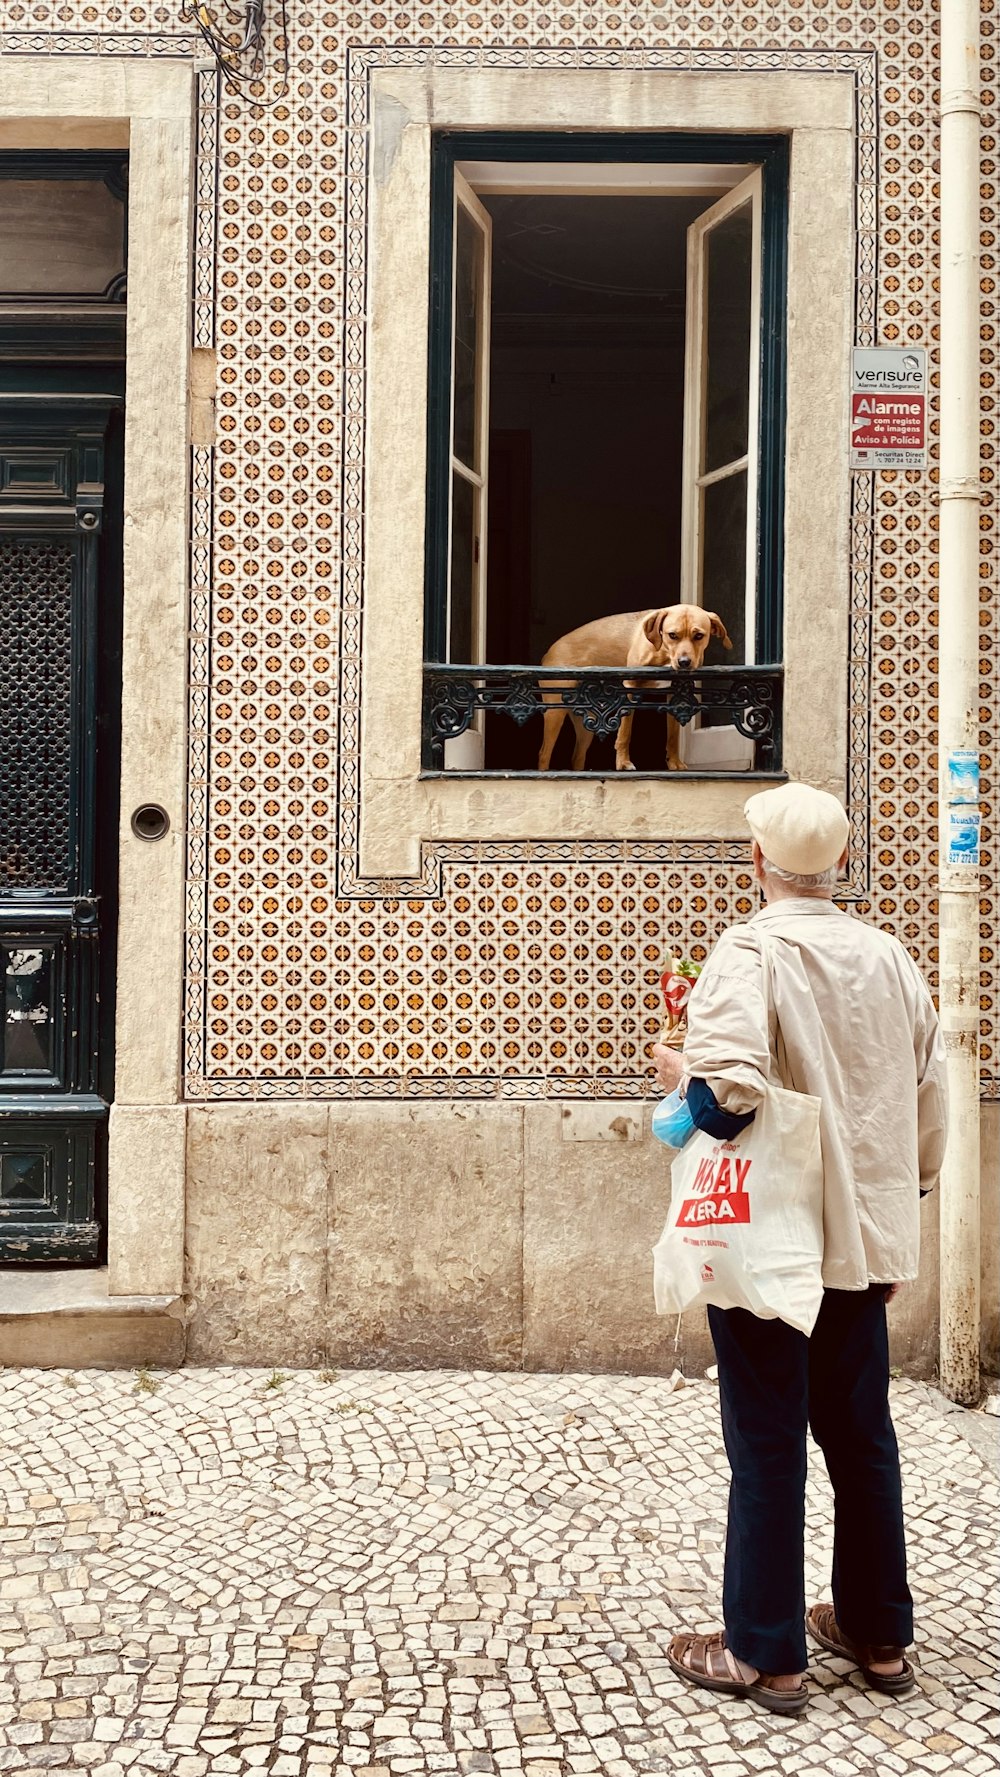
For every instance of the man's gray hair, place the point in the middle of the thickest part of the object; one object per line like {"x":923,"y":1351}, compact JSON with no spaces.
{"x":823,"y":879}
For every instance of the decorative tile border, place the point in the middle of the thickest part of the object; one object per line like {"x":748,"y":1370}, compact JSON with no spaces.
{"x":862,"y":65}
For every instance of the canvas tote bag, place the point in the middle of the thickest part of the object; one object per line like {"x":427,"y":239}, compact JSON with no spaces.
{"x":745,"y":1228}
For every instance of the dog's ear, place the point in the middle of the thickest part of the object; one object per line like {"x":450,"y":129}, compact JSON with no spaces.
{"x":719,"y":629}
{"x":652,"y":629}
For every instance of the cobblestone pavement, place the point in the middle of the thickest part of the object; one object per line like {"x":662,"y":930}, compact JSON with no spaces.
{"x":221,"y":1571}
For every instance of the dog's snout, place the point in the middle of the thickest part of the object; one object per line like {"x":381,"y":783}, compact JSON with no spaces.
{"x":684,"y":663}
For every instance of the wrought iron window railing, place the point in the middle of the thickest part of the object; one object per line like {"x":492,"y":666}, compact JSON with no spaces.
{"x":748,"y":697}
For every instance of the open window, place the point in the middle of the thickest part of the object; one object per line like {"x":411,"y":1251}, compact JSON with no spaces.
{"x":721,"y":409}
{"x":721,"y":400}
{"x":606,"y":382}
{"x":470,"y":427}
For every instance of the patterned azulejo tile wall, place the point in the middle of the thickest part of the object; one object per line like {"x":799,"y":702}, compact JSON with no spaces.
{"x":517,"y":970}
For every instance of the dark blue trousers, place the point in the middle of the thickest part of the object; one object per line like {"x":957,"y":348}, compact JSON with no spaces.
{"x":773,"y":1382}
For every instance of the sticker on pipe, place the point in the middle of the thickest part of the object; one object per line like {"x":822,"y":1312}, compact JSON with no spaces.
{"x":889,"y":407}
{"x":963,"y":775}
{"x":964,"y":828}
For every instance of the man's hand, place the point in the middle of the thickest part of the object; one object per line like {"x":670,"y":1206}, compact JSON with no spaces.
{"x":669,"y":1065}
{"x":892,"y":1290}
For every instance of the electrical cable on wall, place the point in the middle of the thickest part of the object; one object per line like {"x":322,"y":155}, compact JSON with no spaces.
{"x":236,"y":41}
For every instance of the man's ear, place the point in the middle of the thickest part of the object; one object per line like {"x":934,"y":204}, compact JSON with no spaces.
{"x":652,"y":629}
{"x":719,"y":629}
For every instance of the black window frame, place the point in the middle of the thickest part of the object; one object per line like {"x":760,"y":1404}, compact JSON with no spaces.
{"x":771,"y":154}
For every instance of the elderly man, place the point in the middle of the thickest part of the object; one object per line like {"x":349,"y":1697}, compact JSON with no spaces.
{"x":852,"y":1023}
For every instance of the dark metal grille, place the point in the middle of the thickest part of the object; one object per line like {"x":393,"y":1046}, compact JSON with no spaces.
{"x":748,"y":697}
{"x":36,"y":704}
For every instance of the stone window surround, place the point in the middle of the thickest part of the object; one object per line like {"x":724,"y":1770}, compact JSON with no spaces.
{"x":89,"y":102}
{"x":402,"y":808}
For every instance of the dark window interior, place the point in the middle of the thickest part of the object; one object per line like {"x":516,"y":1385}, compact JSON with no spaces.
{"x":586,"y":426}
{"x":586,"y":414}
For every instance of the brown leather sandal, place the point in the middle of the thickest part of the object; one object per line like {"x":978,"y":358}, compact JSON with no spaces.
{"x":823,"y":1627}
{"x":707,"y":1661}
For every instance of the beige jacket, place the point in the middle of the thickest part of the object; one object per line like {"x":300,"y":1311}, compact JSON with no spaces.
{"x":853,"y":1023}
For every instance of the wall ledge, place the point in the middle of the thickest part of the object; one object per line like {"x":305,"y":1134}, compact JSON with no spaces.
{"x":66,"y":1320}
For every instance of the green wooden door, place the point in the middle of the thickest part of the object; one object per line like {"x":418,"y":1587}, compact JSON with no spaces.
{"x":59,"y":627}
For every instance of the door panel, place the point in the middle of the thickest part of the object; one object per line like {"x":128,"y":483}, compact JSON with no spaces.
{"x":52,"y":1109}
{"x":33,"y":1010}
{"x":37,"y":578}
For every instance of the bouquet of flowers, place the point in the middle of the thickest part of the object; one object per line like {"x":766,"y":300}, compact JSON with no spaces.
{"x":677,"y":982}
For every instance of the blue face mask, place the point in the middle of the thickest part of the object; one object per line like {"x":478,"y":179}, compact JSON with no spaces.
{"x":672,"y":1122}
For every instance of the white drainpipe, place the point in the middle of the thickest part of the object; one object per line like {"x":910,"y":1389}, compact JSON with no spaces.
{"x":959,"y":685}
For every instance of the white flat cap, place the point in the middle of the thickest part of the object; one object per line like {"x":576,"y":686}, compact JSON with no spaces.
{"x":798,"y":828}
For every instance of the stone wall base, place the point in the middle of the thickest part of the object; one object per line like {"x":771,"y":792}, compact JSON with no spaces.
{"x":464,"y":1236}
{"x":428,"y":1236}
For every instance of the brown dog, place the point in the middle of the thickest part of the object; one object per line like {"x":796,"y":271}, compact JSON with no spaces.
{"x":675,"y":636}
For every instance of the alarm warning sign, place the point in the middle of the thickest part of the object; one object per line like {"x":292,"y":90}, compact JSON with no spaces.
{"x":889,"y":408}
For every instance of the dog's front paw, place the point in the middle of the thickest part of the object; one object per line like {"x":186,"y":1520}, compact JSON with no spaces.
{"x":623,"y":764}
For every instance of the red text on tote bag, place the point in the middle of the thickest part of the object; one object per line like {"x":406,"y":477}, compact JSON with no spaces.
{"x":719,"y":1191}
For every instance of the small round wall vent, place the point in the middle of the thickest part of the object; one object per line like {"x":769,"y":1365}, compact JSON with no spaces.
{"x":150,"y":821}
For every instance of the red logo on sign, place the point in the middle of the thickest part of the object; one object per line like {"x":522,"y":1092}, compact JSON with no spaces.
{"x":707,"y":1274}
{"x":887,"y":421}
